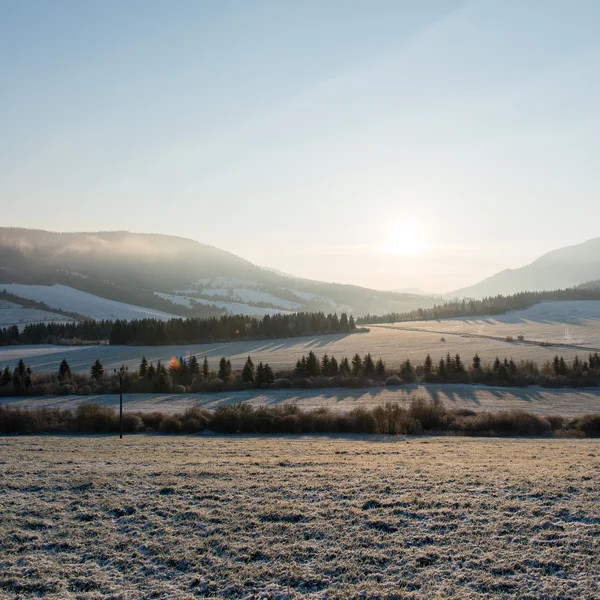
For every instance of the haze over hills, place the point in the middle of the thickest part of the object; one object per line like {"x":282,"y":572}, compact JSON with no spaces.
{"x":561,"y":268}
{"x":168,"y":274}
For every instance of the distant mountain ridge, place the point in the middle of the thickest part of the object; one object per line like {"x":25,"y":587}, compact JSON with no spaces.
{"x":557,"y":269}
{"x":176,"y":275}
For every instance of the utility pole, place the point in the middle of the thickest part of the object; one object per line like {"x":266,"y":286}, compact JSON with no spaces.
{"x":121,"y":373}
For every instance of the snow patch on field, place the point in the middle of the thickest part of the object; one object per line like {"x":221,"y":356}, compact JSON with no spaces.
{"x":233,"y":308}
{"x":29,"y":316}
{"x":72,"y":300}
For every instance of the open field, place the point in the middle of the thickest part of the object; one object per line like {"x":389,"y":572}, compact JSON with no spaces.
{"x":563,"y":402}
{"x":392,"y":343}
{"x":284,"y":517}
{"x":571,"y":323}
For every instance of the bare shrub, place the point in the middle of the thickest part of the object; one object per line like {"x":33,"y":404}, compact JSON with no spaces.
{"x":429,"y":413}
{"x":170,"y":424}
{"x":589,"y":425}
{"x":393,"y":380}
{"x":93,"y":418}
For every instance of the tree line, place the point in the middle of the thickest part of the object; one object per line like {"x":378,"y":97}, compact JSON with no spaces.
{"x":495,"y":305}
{"x":189,"y":374}
{"x":153,"y":332}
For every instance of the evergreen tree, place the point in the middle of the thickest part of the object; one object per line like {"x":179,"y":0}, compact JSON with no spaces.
{"x":6,"y":376}
{"x":380,"y":368}
{"x":449,"y":363}
{"x":345,"y":367}
{"x":368,"y":365}
{"x":97,"y":370}
{"x":260,"y":375}
{"x":268,"y":376}
{"x":27,"y":379}
{"x":428,"y":365}
{"x":344,"y":326}
{"x":16,"y":380}
{"x":248,"y":371}
{"x":333,"y":367}
{"x":406,"y":367}
{"x":442,"y":369}
{"x":496,"y":364}
{"x":194,"y":366}
{"x":351,"y":323}
{"x":563,"y":366}
{"x":64,"y":370}
{"x":325,"y":364}
{"x":21,"y":368}
{"x":151,"y":373}
{"x":476,"y":363}
{"x":458,"y":365}
{"x":356,"y":365}
{"x":205,"y":369}
{"x":512,"y":367}
{"x":143,"y":370}
{"x":556,"y":365}
{"x":312,"y":365}
{"x":223,"y":370}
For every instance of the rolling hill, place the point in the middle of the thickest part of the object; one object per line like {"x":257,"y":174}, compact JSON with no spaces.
{"x":170,"y":275}
{"x":558,"y":269}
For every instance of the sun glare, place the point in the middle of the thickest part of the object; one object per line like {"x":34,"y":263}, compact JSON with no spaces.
{"x":405,"y":240}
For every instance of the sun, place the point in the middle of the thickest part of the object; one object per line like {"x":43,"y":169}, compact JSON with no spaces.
{"x":405,"y":240}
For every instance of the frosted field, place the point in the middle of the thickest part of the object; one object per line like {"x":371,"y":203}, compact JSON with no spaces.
{"x":14,"y":314}
{"x":298,"y":517}
{"x":233,"y":308}
{"x":566,"y":403}
{"x":72,"y":300}
{"x":573,"y":323}
{"x":394,"y":345}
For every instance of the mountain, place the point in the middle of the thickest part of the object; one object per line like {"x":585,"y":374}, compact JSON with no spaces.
{"x":169,"y":274}
{"x":562,"y":268}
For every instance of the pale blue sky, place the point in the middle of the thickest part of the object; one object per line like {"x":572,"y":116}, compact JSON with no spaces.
{"x":389,"y":144}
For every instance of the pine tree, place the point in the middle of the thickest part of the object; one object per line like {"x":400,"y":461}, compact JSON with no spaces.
{"x":380,"y":368}
{"x":556,"y":365}
{"x":368,"y":365}
{"x":344,"y":323}
{"x":205,"y":369}
{"x":442,"y":369}
{"x":476,"y":363}
{"x":151,"y":372}
{"x":64,"y":370}
{"x":6,"y":376}
{"x":563,"y":366}
{"x":356,"y":365}
{"x":496,"y":364}
{"x":97,"y":370}
{"x":325,"y":364}
{"x":22,"y":369}
{"x":345,"y":367}
{"x":428,"y":365}
{"x":512,"y":367}
{"x":27,"y":379}
{"x":268,"y":376}
{"x":223,"y":370}
{"x":458,"y":366}
{"x":260,"y":375}
{"x":406,"y":367}
{"x":333,"y":367}
{"x":248,"y":371}
{"x":143,"y":370}
{"x":312,"y":365}
{"x":194,"y":366}
{"x":351,"y":323}
{"x":16,"y":380}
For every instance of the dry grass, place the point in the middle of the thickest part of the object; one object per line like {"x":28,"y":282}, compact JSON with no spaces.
{"x":278,"y":517}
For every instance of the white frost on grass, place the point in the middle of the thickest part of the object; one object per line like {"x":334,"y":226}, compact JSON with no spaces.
{"x":233,"y":308}
{"x":72,"y":300}
{"x":29,"y":316}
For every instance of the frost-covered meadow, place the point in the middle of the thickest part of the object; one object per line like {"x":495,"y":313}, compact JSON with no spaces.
{"x":289,"y":517}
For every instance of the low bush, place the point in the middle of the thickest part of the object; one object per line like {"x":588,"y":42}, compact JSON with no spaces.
{"x":423,"y":415}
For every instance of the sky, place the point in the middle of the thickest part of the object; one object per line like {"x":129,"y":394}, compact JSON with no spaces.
{"x":387,"y":144}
